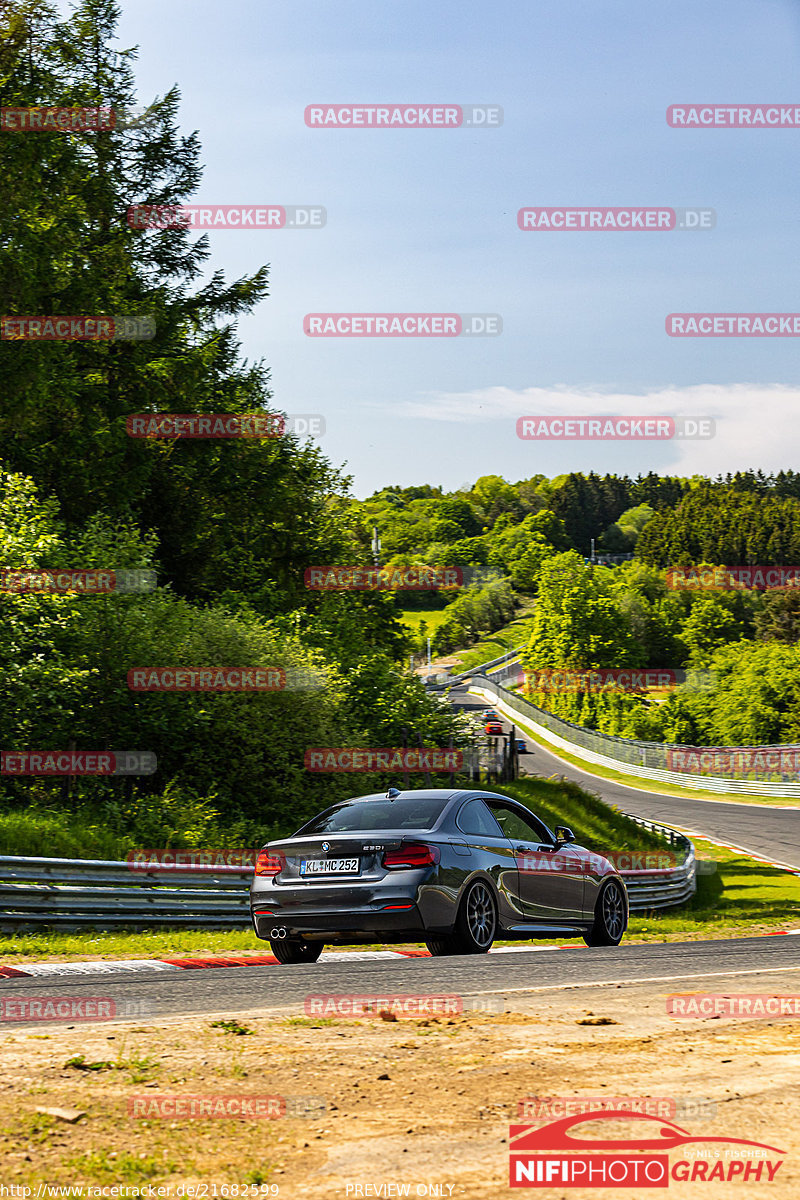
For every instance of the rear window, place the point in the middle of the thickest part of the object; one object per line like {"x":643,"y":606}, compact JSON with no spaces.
{"x":403,"y":813}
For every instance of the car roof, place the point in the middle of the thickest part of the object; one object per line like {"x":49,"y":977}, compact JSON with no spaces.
{"x":437,"y":794}
{"x":415,"y":793}
{"x":450,"y":797}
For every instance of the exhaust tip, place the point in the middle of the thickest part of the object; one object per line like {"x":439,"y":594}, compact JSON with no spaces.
{"x":278,"y":932}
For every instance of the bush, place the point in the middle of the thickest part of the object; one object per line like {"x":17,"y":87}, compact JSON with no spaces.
{"x":477,"y":611}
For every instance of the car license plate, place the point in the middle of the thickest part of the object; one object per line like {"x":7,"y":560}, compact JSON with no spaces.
{"x":329,"y":866}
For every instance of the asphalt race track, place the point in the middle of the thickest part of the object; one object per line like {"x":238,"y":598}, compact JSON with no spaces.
{"x":521,"y":977}
{"x":771,"y":831}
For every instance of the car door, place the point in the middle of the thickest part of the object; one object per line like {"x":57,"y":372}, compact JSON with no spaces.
{"x":551,"y":878}
{"x":491,"y":851}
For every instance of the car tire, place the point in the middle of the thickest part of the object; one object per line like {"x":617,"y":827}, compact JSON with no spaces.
{"x":476,"y":923}
{"x":292,"y":950}
{"x":610,"y":914}
{"x":441,"y":946}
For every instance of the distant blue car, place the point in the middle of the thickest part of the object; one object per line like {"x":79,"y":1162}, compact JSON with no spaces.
{"x":522,"y":747}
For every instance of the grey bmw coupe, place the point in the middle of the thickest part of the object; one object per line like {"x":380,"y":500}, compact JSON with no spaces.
{"x":452,"y":869}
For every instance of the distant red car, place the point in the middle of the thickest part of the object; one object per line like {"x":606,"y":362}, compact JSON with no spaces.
{"x":494,"y":727}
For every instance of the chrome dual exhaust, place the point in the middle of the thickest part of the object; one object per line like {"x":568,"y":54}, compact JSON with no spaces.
{"x":278,"y":932}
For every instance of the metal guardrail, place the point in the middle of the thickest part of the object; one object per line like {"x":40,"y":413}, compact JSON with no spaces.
{"x":646,"y":760}
{"x":662,"y":888}
{"x":483,"y":668}
{"x":91,"y":893}
{"x":75,"y":894}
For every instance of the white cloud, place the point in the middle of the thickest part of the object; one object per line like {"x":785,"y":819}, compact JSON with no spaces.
{"x":732,"y":401}
{"x":756,"y":424}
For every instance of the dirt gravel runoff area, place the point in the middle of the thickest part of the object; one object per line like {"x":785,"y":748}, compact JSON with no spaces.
{"x":291,"y":1105}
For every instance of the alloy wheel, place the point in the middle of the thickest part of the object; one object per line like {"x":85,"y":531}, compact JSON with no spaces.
{"x":481,"y":918}
{"x":613,"y":911}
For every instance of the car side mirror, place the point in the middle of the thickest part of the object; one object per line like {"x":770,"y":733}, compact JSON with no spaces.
{"x":564,"y":834}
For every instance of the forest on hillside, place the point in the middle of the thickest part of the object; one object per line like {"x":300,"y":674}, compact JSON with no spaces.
{"x":228,"y":525}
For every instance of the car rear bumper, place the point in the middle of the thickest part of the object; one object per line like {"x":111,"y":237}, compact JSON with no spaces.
{"x":357,"y":923}
{"x":358,"y":910}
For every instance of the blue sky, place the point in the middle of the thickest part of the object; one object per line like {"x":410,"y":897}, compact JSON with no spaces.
{"x":425,"y":220}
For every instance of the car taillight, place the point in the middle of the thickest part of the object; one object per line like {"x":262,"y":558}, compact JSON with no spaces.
{"x":412,"y":854}
{"x":269,"y":863}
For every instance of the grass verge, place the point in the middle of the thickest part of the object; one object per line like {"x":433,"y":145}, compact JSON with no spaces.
{"x":412,"y":618}
{"x":59,"y":835}
{"x":516,"y":633}
{"x":741,"y":897}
